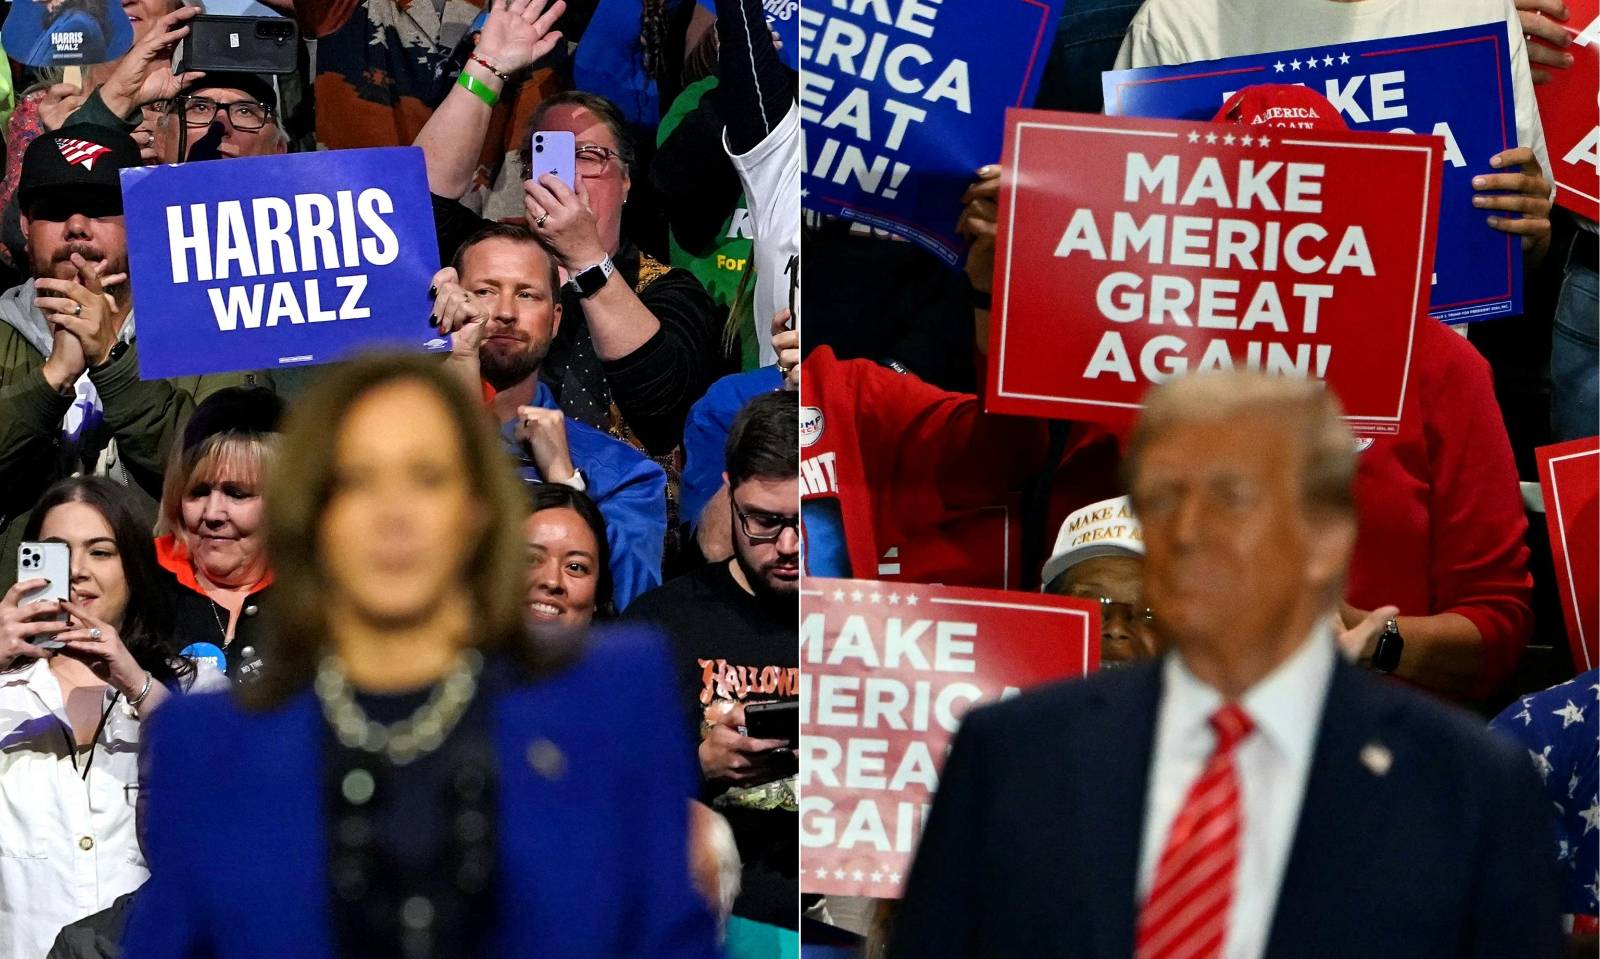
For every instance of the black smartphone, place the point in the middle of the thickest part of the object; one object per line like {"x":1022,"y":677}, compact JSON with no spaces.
{"x":218,"y":44}
{"x":793,"y":271}
{"x":773,"y":721}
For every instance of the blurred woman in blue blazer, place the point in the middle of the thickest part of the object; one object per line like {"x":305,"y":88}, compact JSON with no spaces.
{"x":414,"y":775}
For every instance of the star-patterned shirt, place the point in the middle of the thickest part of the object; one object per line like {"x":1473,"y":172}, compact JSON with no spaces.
{"x":1558,"y":727}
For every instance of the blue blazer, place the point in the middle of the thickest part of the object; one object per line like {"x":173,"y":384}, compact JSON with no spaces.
{"x":593,"y":857}
{"x":1032,"y":847}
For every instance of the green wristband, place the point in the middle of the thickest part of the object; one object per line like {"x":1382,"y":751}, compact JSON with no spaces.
{"x":478,"y":88}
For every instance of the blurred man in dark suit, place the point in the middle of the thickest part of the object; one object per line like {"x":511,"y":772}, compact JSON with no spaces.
{"x":1250,"y":794}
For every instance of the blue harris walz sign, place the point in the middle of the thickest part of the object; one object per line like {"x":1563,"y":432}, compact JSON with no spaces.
{"x":902,"y":102}
{"x":268,"y":262}
{"x":1454,"y":84}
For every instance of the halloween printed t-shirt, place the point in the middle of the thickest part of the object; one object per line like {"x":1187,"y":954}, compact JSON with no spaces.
{"x":732,"y":646}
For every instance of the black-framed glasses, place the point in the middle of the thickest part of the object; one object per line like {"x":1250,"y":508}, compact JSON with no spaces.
{"x":763,"y":527}
{"x":247,"y":116}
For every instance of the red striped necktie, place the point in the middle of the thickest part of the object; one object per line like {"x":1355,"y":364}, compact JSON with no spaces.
{"x":1186,"y":914}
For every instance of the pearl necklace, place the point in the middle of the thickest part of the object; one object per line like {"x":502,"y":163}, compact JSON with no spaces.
{"x":413,"y":737}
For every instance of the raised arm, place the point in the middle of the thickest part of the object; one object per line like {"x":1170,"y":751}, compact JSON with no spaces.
{"x":515,"y":36}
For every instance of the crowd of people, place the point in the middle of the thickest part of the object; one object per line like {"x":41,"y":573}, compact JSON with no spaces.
{"x":1445,"y":582}
{"x":496,"y":652}
{"x":452,"y":653}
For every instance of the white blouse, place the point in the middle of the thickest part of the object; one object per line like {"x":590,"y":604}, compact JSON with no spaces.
{"x":67,"y":840}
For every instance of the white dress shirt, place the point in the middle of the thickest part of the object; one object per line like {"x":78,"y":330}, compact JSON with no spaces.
{"x":67,"y":844}
{"x":1272,"y":764}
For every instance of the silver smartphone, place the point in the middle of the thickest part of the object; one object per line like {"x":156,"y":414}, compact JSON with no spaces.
{"x":49,"y":561}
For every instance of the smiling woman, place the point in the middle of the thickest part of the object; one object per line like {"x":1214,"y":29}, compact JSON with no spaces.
{"x":569,"y":561}
{"x":72,"y":719}
{"x":211,"y":521}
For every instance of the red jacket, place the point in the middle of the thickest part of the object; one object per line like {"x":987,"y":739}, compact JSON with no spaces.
{"x":891,"y":463}
{"x":1441,"y":523}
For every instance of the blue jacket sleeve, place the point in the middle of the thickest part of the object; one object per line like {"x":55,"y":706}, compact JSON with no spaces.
{"x":705,"y":433}
{"x":674,"y":922}
{"x":165,"y":922}
{"x":635,"y":511}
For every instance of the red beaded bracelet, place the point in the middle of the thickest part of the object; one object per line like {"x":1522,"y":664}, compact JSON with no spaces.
{"x":480,"y":61}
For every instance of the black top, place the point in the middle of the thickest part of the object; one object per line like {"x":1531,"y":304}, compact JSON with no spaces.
{"x":654,"y":386}
{"x":198,"y":619}
{"x":732,"y":646}
{"x":97,"y":936}
{"x":412,"y":847}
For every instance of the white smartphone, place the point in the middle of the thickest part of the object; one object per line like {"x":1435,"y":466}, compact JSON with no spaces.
{"x":50,"y":561}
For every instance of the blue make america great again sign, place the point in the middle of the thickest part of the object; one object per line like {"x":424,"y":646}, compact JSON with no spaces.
{"x":1454,"y":84}
{"x":268,"y":262}
{"x":902,"y":102}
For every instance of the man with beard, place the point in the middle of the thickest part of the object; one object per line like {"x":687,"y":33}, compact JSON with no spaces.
{"x":71,"y":400}
{"x":498,"y":302}
{"x":733,"y":629}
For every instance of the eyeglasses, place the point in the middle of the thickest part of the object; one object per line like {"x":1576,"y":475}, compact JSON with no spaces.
{"x":590,"y":160}
{"x":247,"y":116}
{"x":763,"y":527}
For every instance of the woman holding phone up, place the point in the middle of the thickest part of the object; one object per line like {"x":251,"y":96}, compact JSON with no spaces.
{"x":416,"y":773}
{"x":71,"y":718}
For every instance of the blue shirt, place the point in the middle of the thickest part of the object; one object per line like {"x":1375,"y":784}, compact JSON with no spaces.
{"x":705,"y":433}
{"x":1558,"y":731}
{"x":629,"y":489}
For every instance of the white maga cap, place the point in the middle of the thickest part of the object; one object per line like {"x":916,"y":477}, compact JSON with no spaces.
{"x":1106,"y":528}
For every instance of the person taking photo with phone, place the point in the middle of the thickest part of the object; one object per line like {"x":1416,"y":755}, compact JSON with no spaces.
{"x":732,"y":627}
{"x":635,"y":333}
{"x":73,"y":716}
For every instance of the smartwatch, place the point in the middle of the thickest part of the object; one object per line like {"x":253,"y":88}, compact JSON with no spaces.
{"x":587,"y":282}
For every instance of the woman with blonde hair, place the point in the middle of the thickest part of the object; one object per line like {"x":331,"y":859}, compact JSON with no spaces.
{"x":415,"y":773}
{"x":212,"y":528}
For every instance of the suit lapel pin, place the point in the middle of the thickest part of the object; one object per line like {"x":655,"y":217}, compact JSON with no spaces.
{"x":1377,"y":757}
{"x":547,"y":759}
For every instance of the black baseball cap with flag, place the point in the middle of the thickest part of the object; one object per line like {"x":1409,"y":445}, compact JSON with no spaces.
{"x":75,"y":169}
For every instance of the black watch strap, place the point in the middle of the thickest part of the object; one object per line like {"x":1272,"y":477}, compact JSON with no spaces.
{"x":115,"y":354}
{"x":1386,"y":657}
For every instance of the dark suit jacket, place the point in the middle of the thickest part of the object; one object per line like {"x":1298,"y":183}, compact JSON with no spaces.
{"x":592,"y":853}
{"x":1032,"y":847}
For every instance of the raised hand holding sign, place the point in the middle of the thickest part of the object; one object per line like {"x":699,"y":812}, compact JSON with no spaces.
{"x":66,"y":33}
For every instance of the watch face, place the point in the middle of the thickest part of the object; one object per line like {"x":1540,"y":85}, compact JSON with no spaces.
{"x":591,"y":280}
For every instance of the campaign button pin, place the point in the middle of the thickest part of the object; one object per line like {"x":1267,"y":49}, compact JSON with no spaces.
{"x":1377,"y":758}
{"x":547,"y":759}
{"x":206,"y":652}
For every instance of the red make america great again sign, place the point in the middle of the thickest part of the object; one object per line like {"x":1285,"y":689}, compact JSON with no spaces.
{"x":887,"y":672}
{"x":1567,"y":108}
{"x":1133,"y":250}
